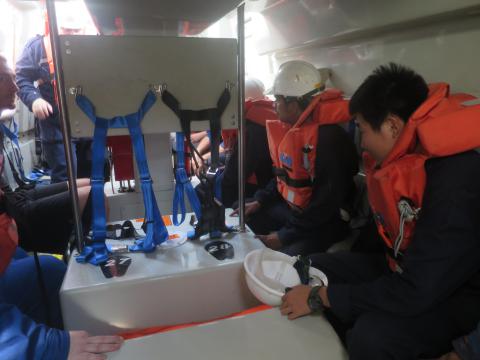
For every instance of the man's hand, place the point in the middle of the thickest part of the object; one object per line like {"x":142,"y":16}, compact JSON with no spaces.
{"x":197,"y":166}
{"x":271,"y":240}
{"x":41,"y":109}
{"x":294,"y":302}
{"x":83,"y":346}
{"x":250,"y":208}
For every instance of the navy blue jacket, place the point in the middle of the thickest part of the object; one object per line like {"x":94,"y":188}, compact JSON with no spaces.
{"x":336,"y":164}
{"x":21,"y":338}
{"x":31,"y":67}
{"x":442,"y":263}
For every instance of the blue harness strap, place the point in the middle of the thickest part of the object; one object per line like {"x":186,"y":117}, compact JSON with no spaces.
{"x":156,"y":232}
{"x":212,"y":219}
{"x":183,"y":185}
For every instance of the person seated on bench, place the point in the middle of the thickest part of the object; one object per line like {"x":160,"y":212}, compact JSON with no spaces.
{"x":424,"y":188}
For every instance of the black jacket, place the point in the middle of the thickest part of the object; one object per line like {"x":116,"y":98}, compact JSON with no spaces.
{"x":335,"y":165}
{"x":257,"y":161}
{"x":442,"y":263}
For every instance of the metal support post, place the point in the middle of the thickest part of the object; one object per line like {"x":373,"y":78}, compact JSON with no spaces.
{"x":65,"y":124}
{"x":241,"y":115}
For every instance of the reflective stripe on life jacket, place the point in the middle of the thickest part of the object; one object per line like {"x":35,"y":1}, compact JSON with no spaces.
{"x":8,"y":240}
{"x":293,"y":148}
{"x":441,"y":126}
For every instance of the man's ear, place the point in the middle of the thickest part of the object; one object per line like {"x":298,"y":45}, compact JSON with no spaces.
{"x":395,"y":125}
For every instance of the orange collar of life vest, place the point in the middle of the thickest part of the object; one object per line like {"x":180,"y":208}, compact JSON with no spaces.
{"x":456,"y":128}
{"x":323,"y":119}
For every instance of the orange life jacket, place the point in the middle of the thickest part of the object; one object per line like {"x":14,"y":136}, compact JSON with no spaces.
{"x":257,"y":111}
{"x":441,"y":126}
{"x":294,"y":148}
{"x":47,"y":45}
{"x":8,"y":240}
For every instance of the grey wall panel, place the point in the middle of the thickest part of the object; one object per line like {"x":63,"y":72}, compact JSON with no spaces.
{"x":115,"y":73}
{"x":436,"y":38}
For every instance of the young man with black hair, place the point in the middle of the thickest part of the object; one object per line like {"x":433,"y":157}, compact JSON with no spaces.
{"x":424,"y":189}
{"x":304,"y":209}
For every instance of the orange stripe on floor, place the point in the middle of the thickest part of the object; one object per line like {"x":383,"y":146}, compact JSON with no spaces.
{"x":160,"y":329}
{"x":166,"y":220}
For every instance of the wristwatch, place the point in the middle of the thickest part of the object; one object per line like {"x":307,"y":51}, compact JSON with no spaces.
{"x":314,"y":300}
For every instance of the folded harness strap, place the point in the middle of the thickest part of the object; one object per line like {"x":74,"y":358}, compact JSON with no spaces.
{"x":156,"y":232}
{"x":183,"y":185}
{"x":212,"y":217}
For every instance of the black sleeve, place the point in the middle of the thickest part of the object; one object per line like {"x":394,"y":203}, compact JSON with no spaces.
{"x":257,"y":155}
{"x":335,"y":165}
{"x":268,"y":194}
{"x":258,"y":160}
{"x":444,"y":253}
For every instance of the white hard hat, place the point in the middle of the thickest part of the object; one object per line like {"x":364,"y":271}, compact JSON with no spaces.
{"x":297,"y":78}
{"x":254,"y":89}
{"x":269,"y":272}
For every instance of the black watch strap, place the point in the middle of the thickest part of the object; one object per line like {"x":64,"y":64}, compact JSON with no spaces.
{"x":314,"y":300}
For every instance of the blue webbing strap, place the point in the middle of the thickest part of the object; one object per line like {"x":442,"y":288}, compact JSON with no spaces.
{"x":182,"y":185}
{"x":156,"y":231}
{"x":213,"y":213}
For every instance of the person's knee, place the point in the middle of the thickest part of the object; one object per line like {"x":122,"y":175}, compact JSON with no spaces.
{"x":368,"y":339}
{"x":363,"y":341}
{"x":83,"y":182}
{"x":83,"y":193}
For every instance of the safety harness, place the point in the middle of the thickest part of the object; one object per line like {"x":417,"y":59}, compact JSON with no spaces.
{"x":156,"y":232}
{"x":16,"y":164}
{"x":183,"y":185}
{"x":206,"y":203}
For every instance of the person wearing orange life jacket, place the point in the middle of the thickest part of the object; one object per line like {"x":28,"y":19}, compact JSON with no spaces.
{"x":424,"y":187}
{"x":300,"y":211}
{"x":23,"y":312}
{"x":35,"y":74}
{"x":258,"y":164}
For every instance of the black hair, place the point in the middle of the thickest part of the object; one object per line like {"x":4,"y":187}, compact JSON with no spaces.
{"x":391,"y":89}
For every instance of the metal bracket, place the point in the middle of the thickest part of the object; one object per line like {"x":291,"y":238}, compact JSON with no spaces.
{"x":75,"y":91}
{"x":229,"y":85}
{"x":158,"y":88}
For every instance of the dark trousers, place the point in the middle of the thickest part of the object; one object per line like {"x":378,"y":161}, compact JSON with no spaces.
{"x":44,"y":217}
{"x":272,"y":217}
{"x":379,"y":335}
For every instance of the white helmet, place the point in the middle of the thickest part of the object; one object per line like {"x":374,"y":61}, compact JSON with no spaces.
{"x":297,"y":78}
{"x":269,"y":272}
{"x":254,"y":89}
